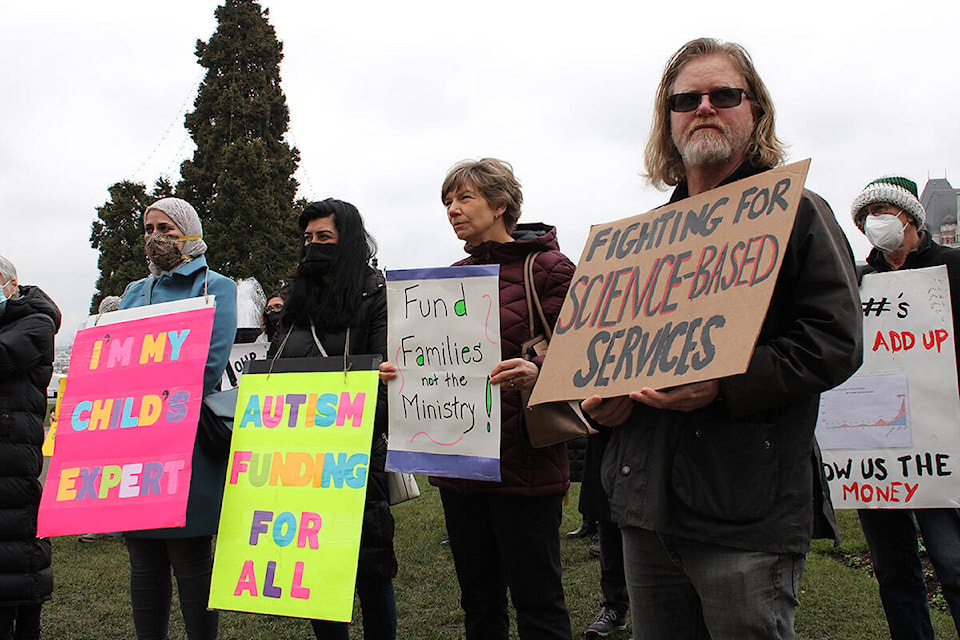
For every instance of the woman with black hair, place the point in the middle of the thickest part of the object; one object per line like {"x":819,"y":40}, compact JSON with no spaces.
{"x":338,"y":298}
{"x":270,"y":317}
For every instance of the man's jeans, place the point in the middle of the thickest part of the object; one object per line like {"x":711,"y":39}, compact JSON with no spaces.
{"x":613,"y":586}
{"x":687,"y":590}
{"x":892,"y":536}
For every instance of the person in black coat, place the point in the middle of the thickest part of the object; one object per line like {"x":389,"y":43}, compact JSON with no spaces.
{"x":338,"y":298}
{"x":725,"y":473}
{"x":29,"y":320}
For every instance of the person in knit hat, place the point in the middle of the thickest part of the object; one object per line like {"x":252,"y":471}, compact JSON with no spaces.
{"x":889,"y":213}
{"x":891,"y":216}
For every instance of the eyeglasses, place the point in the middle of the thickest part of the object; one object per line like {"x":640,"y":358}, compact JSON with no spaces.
{"x":880,"y":208}
{"x":719,"y":98}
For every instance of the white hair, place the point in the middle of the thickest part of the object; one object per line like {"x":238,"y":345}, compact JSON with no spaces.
{"x":7,"y":270}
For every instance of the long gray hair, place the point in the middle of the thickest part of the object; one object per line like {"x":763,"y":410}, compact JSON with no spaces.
{"x":765,"y":151}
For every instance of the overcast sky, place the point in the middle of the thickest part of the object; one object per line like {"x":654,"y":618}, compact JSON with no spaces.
{"x":385,"y":96}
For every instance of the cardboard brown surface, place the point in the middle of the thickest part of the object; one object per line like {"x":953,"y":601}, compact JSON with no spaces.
{"x":675,"y":295}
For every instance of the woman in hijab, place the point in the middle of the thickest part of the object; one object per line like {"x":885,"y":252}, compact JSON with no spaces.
{"x":178,"y":271}
{"x":338,"y":297}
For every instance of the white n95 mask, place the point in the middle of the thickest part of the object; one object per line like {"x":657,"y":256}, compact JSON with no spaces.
{"x":884,"y":231}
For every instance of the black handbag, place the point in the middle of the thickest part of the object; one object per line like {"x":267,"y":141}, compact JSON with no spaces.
{"x":216,"y":423}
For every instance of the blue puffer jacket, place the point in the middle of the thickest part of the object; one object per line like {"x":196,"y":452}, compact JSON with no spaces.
{"x":187,"y":281}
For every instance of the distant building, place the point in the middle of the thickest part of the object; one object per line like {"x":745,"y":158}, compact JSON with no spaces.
{"x":940,"y":201}
{"x":61,"y":360}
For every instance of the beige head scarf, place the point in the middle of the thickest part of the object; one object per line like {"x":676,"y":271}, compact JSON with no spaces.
{"x":188,"y":222}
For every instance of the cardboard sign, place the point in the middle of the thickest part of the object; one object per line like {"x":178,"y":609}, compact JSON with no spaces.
{"x":444,"y":338}
{"x":673,"y":296}
{"x":128,"y":421}
{"x":890,"y":435}
{"x":289,"y":534}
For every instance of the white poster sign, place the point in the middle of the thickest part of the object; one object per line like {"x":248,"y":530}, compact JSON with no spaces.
{"x":444,"y":338}
{"x":239,"y":355}
{"x":890,"y":435}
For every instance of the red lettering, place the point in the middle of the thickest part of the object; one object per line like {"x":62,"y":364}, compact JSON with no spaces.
{"x":702,"y":270}
{"x":909,"y":340}
{"x":880,"y":493}
{"x":896,"y":343}
{"x":911,"y":490}
{"x":942,"y":335}
{"x":603,"y":294}
{"x":853,"y":490}
{"x":767,"y":239}
{"x":880,"y":342}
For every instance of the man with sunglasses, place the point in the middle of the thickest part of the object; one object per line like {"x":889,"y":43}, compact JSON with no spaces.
{"x":889,"y":213}
{"x":717,"y":486}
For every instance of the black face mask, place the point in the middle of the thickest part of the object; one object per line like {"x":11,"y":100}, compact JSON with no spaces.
{"x":318,"y":259}
{"x":271,"y":319}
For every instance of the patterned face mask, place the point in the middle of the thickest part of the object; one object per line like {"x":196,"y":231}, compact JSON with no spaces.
{"x":164,"y":251}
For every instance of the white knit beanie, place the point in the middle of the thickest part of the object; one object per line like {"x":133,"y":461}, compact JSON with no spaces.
{"x":896,"y":190}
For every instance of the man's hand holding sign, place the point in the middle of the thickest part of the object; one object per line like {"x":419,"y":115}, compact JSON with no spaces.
{"x":665,"y":303}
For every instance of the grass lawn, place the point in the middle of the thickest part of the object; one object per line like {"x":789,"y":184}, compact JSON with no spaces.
{"x":90,"y":600}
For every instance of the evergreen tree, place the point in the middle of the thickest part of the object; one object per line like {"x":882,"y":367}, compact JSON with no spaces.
{"x":240,"y":179}
{"x":118,"y":234}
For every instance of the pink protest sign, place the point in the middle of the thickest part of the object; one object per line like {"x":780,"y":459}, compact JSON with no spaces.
{"x":128,"y":421}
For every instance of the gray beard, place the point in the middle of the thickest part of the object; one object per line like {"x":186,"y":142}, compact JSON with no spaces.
{"x":706,"y":150}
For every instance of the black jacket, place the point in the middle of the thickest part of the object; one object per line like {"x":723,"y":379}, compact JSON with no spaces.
{"x":27,"y":328}
{"x":368,"y":335}
{"x":745,"y":471}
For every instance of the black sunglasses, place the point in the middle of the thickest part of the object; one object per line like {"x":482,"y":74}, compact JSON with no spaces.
{"x":719,"y":98}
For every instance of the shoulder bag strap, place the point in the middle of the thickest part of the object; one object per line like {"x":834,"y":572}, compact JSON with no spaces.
{"x":534,"y":297}
{"x":529,"y":289}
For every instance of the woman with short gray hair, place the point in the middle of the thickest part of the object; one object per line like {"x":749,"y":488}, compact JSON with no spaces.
{"x":29,"y":319}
